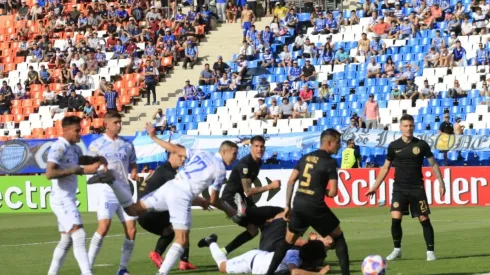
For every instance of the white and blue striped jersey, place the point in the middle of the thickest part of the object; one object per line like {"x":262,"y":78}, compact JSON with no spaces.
{"x":65,"y":156}
{"x":204,"y":169}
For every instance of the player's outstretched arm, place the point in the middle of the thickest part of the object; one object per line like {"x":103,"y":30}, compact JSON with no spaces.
{"x":250,"y":191}
{"x":381,"y":177}
{"x":299,"y":271}
{"x":54,"y":172}
{"x":169,"y":147}
{"x":289,"y":191}
{"x":437,"y":172}
{"x":218,"y":203}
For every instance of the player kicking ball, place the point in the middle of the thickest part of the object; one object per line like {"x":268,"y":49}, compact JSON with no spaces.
{"x":408,"y":153}
{"x":120,"y":156}
{"x":203,"y":170}
{"x":65,"y":162}
{"x":296,"y":262}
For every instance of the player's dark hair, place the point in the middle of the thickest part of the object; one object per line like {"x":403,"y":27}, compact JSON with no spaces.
{"x":70,"y":120}
{"x":407,"y":117}
{"x":311,"y":253}
{"x":329,"y":133}
{"x":257,"y":138}
{"x":227,"y":144}
{"x":113,"y":114}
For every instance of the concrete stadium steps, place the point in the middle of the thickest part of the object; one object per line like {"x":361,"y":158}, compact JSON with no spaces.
{"x":226,"y":40}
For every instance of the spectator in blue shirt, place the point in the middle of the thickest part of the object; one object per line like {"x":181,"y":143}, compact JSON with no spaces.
{"x":119,"y":50}
{"x":111,"y":98}
{"x":294,"y":72}
{"x":121,"y":15}
{"x":458,"y":55}
{"x":205,"y":18}
{"x":377,"y":46}
{"x":319,"y":26}
{"x":44,"y":75}
{"x":342,"y":57}
{"x":189,"y":92}
{"x":331,"y":25}
{"x":191,"y":55}
{"x":481,"y":55}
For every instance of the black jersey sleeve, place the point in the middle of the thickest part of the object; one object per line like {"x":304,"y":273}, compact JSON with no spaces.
{"x":426,"y":151}
{"x":390,"y":156}
{"x":243,"y":170}
{"x":332,"y":169}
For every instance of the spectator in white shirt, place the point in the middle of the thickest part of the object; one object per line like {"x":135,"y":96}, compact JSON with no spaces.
{"x":81,"y":81}
{"x":373,"y":69}
{"x":49,"y":97}
{"x":260,"y":110}
{"x":300,"y":109}
{"x":19,"y":92}
{"x":479,"y":21}
{"x":431,"y":60}
{"x":247,"y":50}
{"x":274,"y":111}
{"x":160,"y":120}
{"x":285,"y":57}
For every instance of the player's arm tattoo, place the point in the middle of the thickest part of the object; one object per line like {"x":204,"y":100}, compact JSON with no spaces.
{"x":289,"y":190}
{"x":249,"y":191}
{"x":53,"y":171}
{"x":382,"y":174}
{"x":436,"y":170}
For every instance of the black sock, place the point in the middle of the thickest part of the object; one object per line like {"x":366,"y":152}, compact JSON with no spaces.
{"x":163,"y":242}
{"x":342,"y":254}
{"x":396,"y":232}
{"x":279,"y":254}
{"x":428,"y":234}
{"x":185,"y":255}
{"x":238,"y":241}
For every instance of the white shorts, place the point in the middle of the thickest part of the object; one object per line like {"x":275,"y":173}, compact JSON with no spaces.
{"x":67,"y":213}
{"x":106,"y":211}
{"x":245,"y":263}
{"x":177,"y":201}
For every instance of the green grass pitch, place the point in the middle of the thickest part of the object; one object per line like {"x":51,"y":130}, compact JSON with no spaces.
{"x":462,"y":242}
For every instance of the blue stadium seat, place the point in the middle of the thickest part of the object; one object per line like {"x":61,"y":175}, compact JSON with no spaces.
{"x":171,"y":120}
{"x":216,"y":95}
{"x":447,"y":102}
{"x":464,"y":101}
{"x":199,"y":118}
{"x":192,"y":103}
{"x":171,"y":112}
{"x":209,"y":110}
{"x":469,"y":109}
{"x":191,"y":126}
{"x":207,"y":103}
{"x":182,"y":112}
{"x":228,"y":95}
{"x":187,"y":118}
{"x":197,"y":111}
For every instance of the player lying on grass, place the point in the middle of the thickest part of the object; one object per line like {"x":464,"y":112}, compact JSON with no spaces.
{"x":203,"y":170}
{"x":302,"y":261}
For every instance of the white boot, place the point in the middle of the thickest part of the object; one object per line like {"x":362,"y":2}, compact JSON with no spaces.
{"x":396,"y":254}
{"x":431,"y":256}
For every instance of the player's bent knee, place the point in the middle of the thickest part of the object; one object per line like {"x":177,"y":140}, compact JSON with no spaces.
{"x":336,"y":232}
{"x":75,"y":228}
{"x":396,"y":215}
{"x":253,"y":230}
{"x":222,"y":267}
{"x":423,"y":218}
{"x":182,"y":237}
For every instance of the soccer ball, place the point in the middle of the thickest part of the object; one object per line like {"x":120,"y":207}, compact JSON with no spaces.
{"x":373,"y":265}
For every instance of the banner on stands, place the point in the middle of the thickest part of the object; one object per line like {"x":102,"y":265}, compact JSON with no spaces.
{"x":31,"y":194}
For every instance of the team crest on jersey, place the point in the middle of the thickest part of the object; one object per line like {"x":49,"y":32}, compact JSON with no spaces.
{"x":245,"y":171}
{"x":396,"y":204}
{"x":416,"y":150}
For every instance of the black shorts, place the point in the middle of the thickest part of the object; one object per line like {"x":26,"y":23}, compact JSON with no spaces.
{"x":155,"y":222}
{"x":321,"y":219}
{"x":415,"y":199}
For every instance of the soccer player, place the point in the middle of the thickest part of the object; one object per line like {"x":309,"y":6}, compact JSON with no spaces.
{"x":296,"y":262}
{"x":158,"y":223}
{"x":315,"y":172}
{"x":408,"y":153}
{"x":203,"y":170}
{"x":120,"y":156}
{"x":240,"y":182}
{"x":65,"y":162}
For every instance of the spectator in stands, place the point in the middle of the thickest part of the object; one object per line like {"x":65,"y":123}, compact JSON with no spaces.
{"x":280,"y":11}
{"x":191,"y":55}
{"x":263,"y":88}
{"x":241,"y":66}
{"x":411,"y":91}
{"x":444,"y":57}
{"x":319,"y":26}
{"x":373,"y":69}
{"x":247,"y":50}
{"x":407,"y":29}
{"x":437,"y":12}
{"x":6,"y":91}
{"x":308,"y":72}
{"x":119,"y":50}
{"x":394,"y":31}
{"x":189,"y":92}
{"x":353,"y":123}
{"x":485,"y":94}
{"x":75,"y":102}
{"x":306,"y":94}
{"x":274,"y":111}
{"x":409,"y":73}
{"x":350,"y":156}
{"x":111,"y":97}
{"x":389,"y":68}
{"x":24,"y":48}
{"x":427,"y":92}
{"x":325,"y":93}
{"x":37,"y":54}
{"x":294,"y":72}
{"x":82,"y":23}
{"x":219,"y":66}
{"x":4,"y":105}
{"x":103,"y":87}
{"x":81,"y":81}
{"x":151,"y":79}
{"x":458,"y":127}
{"x":362,"y":45}
{"x":446,"y":127}
{"x":479,"y":22}
{"x":286,"y":108}
{"x":353,"y":19}
{"x":77,"y":60}
{"x":23,"y":11}
{"x":285,"y":57}
{"x":381,"y":28}
{"x":458,"y":55}
{"x":224,"y":84}
{"x":371,"y":113}
{"x":377,"y":46}
{"x":282,"y":89}
{"x":268,"y":59}
{"x":291,"y":19}
{"x":276,"y":27}
{"x":299,"y":41}
{"x":251,"y":35}
{"x":44,"y":75}
{"x":342,"y":57}
{"x":300,"y":109}
{"x":481,"y":55}
{"x":207,"y":76}
{"x":89,"y":111}
{"x":396,"y":93}
{"x":456,"y":91}
{"x":452,"y":40}
{"x":260,"y":110}
{"x":160,"y":120}
{"x":231,"y":12}
{"x":32,"y":77}
{"x":432,"y":58}
{"x":49,"y":96}
{"x":326,"y":55}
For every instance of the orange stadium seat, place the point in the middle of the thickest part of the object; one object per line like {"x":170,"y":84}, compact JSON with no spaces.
{"x":18,"y":118}
{"x":98,"y":123}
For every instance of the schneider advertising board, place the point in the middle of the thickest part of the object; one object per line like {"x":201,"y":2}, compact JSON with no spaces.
{"x":466,"y":186}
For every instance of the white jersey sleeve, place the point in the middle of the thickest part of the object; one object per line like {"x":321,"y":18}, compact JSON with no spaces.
{"x":56,"y":152}
{"x":65,"y":156}
{"x":220,"y":179}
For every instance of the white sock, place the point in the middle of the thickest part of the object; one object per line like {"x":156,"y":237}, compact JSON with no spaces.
{"x":173,"y":254}
{"x":397,"y":249}
{"x":218,"y":255}
{"x":78,"y":238}
{"x":94,"y":249}
{"x":122,"y":194}
{"x":59,"y":254}
{"x":127,"y":251}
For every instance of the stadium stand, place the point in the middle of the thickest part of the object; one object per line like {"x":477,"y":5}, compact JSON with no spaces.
{"x":348,"y":79}
{"x":49,"y":48}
